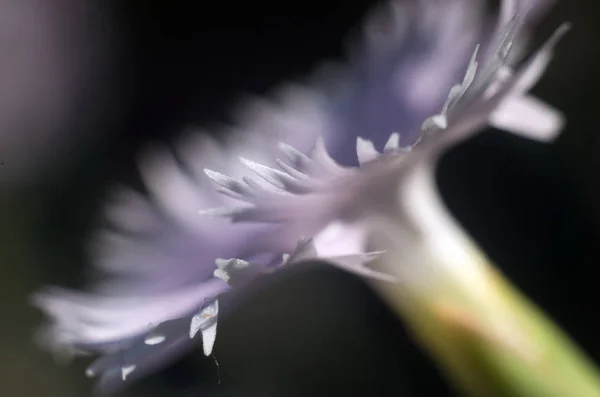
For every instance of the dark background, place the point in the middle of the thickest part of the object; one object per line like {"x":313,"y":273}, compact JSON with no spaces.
{"x":532,"y":207}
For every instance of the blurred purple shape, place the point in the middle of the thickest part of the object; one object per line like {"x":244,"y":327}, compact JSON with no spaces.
{"x":51,"y":54}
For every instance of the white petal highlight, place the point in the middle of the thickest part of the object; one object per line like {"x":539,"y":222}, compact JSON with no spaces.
{"x":205,"y":322}
{"x":209,"y":335}
{"x":152,"y":340}
{"x":126,"y":371}
{"x":529,"y":117}
{"x":365,"y":150}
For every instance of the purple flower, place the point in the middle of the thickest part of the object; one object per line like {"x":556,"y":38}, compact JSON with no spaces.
{"x":165,"y":268}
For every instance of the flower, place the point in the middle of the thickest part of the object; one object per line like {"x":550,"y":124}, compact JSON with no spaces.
{"x":162,"y":292}
{"x":316,"y":196}
{"x":487,"y":338}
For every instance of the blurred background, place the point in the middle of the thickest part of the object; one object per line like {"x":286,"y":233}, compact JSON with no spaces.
{"x":84,"y":85}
